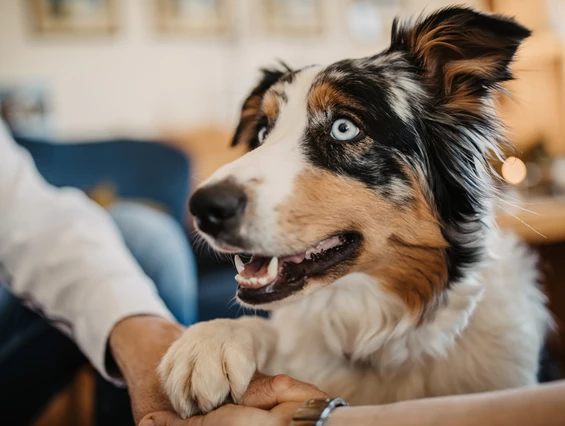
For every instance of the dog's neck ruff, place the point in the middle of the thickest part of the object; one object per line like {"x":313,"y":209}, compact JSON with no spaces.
{"x":362,"y":322}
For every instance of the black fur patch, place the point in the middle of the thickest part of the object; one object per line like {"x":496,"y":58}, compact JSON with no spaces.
{"x":374,"y":160}
{"x":249,"y":125}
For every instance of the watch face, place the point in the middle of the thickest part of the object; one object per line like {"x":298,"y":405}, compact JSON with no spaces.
{"x":315,"y":411}
{"x":310,"y":412}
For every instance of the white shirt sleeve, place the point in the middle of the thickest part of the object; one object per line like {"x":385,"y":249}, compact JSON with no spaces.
{"x":63,"y":255}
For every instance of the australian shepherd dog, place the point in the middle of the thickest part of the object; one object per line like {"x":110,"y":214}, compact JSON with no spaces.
{"x":367,"y":204}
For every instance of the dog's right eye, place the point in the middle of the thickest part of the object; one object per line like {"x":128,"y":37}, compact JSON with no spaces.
{"x":344,"y":130}
{"x":262,"y":134}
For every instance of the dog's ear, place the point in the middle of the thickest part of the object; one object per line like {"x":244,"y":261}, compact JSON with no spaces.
{"x":462,"y":54}
{"x":246,"y":131}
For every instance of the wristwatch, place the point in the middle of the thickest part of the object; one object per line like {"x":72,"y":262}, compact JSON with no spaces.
{"x":315,"y":412}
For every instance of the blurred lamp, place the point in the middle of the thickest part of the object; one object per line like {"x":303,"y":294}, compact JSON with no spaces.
{"x":514,"y":170}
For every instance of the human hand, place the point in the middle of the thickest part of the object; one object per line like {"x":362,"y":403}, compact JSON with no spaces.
{"x":268,"y":401}
{"x":138,"y":343}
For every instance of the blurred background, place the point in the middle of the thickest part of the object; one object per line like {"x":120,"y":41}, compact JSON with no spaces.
{"x":136,"y":100}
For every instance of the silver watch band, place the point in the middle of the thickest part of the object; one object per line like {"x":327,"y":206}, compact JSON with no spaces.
{"x":315,"y":412}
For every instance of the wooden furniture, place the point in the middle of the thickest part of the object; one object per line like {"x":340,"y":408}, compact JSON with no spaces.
{"x":74,"y":406}
{"x":542,"y":223}
{"x":208,"y":149}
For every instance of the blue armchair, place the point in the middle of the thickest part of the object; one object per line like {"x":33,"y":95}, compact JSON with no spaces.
{"x":136,"y":169}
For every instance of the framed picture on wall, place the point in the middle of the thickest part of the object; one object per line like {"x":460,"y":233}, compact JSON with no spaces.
{"x":292,"y":17}
{"x":26,"y":109}
{"x":193,"y":17}
{"x":74,"y":16}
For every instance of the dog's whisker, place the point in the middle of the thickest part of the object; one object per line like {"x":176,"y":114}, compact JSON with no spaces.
{"x":517,"y":206}
{"x":523,"y":222}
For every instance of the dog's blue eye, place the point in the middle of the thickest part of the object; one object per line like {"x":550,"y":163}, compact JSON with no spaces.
{"x":262,"y":134}
{"x":344,"y":130}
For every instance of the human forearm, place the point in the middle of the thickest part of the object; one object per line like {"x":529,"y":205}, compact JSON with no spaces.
{"x":137,"y":345}
{"x":532,"y":406}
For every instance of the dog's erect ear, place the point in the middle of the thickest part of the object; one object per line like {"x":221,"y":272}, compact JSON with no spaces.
{"x":246,"y":131}
{"x":461,"y":53}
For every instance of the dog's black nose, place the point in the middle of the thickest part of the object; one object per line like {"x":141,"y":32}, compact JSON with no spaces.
{"x":218,"y":207}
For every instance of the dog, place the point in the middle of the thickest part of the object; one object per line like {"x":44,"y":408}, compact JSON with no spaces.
{"x":367,"y":201}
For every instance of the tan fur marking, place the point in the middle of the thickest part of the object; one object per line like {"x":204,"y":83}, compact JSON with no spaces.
{"x":325,"y":96}
{"x":432,"y":44}
{"x":271,"y":106}
{"x":403,"y":248}
{"x":461,"y":96}
{"x":248,"y":113}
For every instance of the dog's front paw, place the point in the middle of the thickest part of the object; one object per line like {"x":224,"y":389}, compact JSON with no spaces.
{"x":211,"y":361}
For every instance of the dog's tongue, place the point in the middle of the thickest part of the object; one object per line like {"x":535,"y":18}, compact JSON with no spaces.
{"x":257,"y":267}
{"x":258,"y":272}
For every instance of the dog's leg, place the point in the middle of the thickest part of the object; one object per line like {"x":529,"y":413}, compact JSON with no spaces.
{"x":214,"y":360}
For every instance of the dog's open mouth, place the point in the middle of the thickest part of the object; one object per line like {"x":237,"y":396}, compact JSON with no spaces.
{"x":268,"y":279}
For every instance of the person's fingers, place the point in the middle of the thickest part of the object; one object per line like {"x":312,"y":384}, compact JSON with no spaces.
{"x":268,"y":391}
{"x":226,"y":415}
{"x":168,"y":418}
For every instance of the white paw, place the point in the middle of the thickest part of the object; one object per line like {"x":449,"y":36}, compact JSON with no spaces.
{"x":211,"y":361}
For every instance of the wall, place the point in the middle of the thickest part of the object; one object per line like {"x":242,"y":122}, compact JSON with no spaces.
{"x":141,"y":83}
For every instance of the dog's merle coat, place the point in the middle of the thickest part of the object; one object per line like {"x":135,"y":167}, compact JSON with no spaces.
{"x":403,"y":300}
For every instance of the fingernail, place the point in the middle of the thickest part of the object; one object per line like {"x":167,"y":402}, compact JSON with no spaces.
{"x":147,"y":422}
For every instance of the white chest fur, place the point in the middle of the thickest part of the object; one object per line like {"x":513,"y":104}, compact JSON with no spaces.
{"x":354,"y":340}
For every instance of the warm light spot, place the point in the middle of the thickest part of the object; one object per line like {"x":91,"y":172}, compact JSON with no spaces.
{"x":514,"y":170}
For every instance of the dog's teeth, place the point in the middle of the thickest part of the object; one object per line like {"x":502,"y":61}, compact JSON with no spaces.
{"x":309,"y":252}
{"x":239,"y":265}
{"x":273,"y":269}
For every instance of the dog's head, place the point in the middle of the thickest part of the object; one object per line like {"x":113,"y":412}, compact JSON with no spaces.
{"x":375,"y":165}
